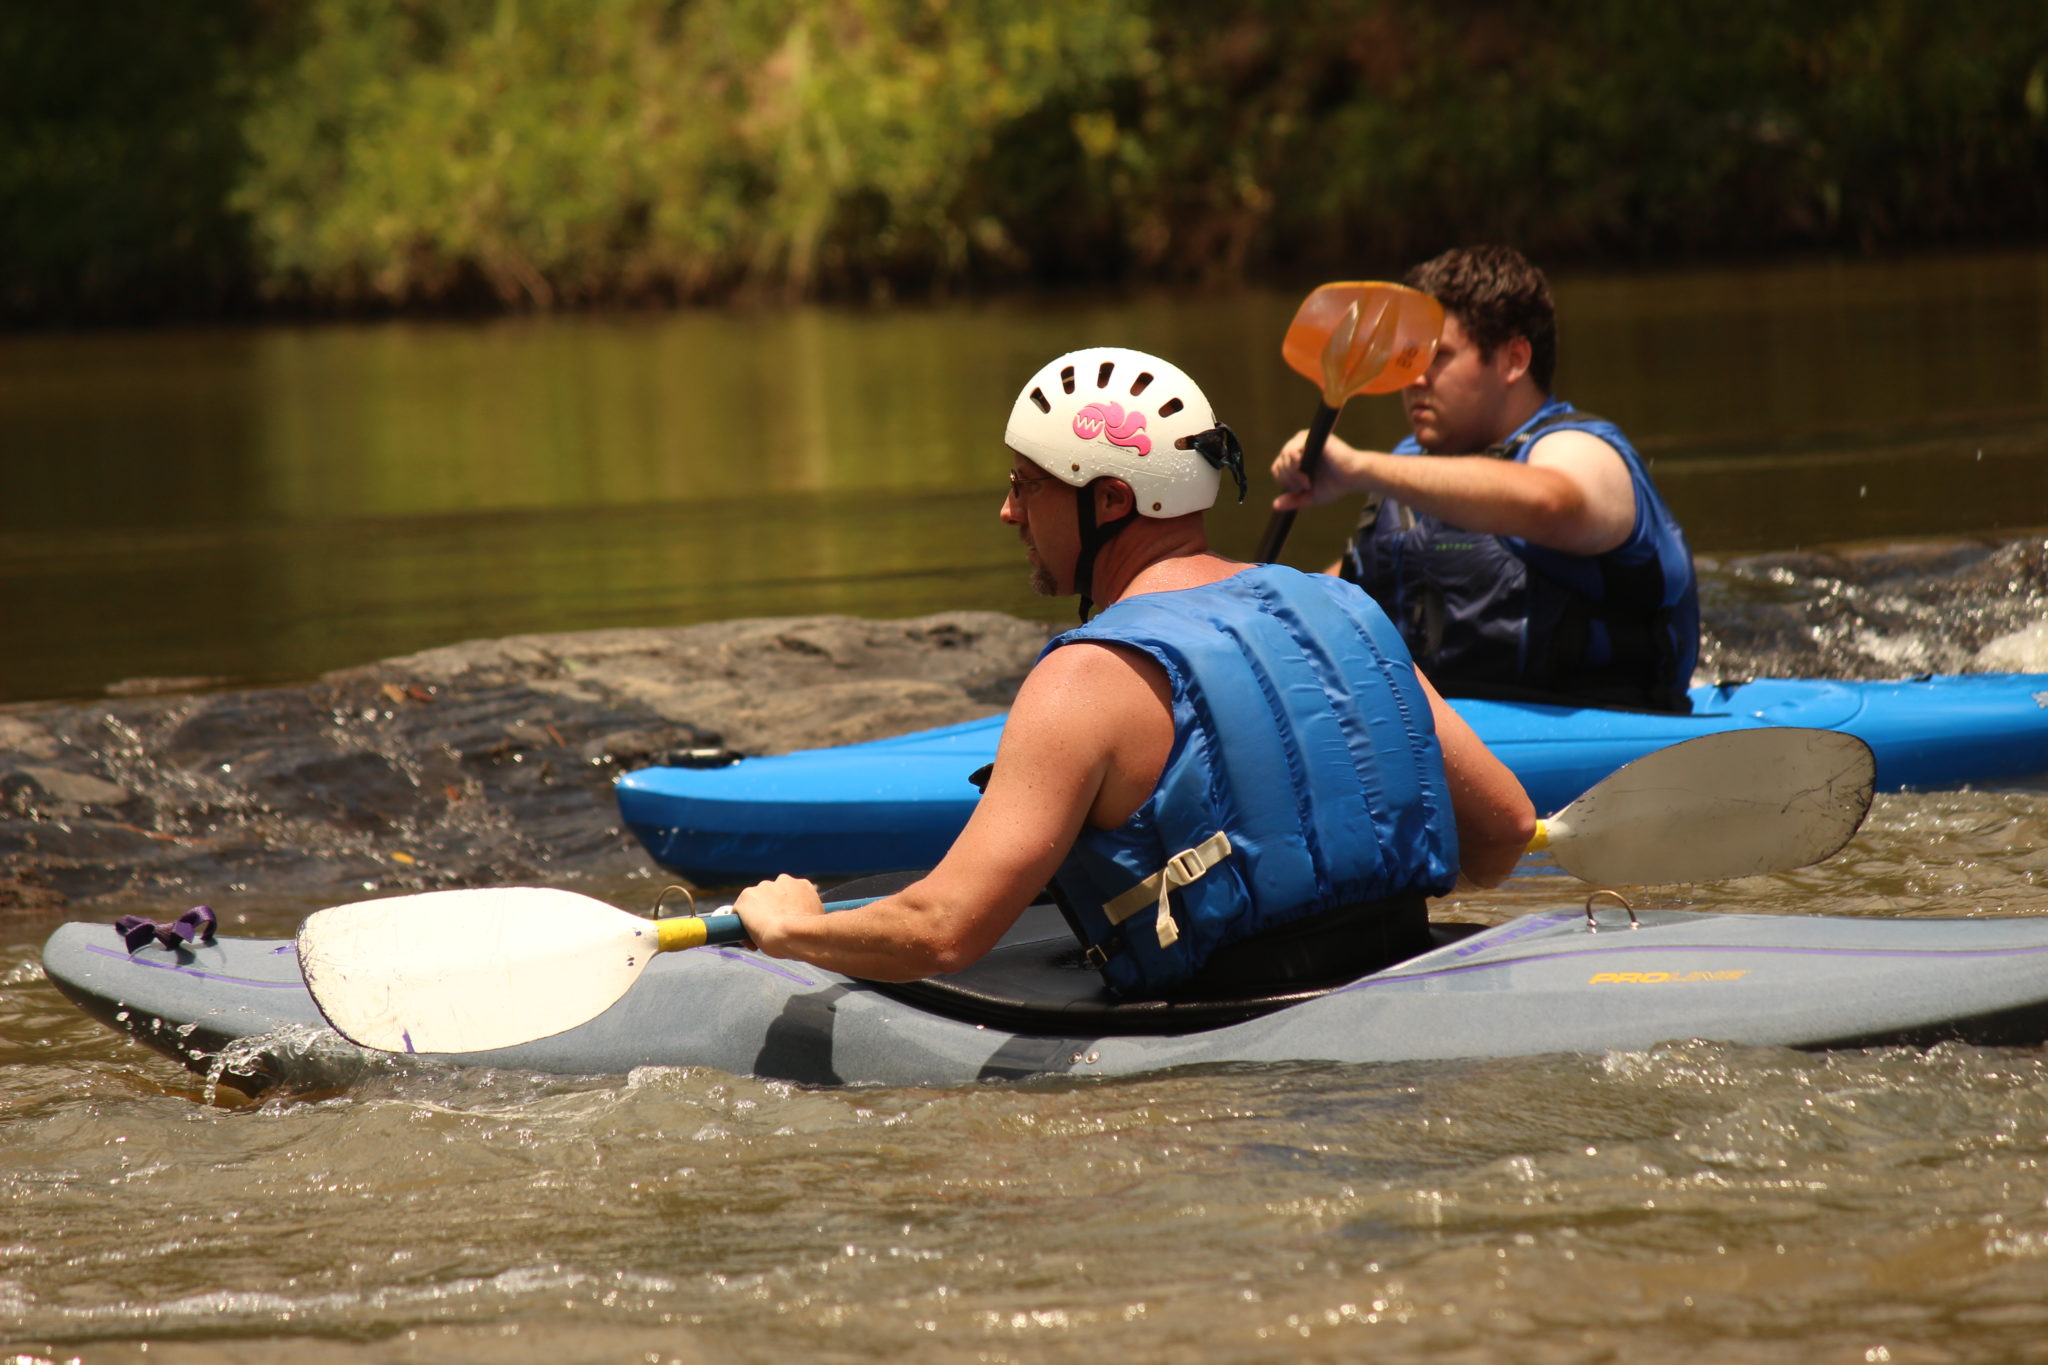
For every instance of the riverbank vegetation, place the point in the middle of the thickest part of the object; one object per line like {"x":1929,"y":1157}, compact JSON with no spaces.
{"x":181,"y":158}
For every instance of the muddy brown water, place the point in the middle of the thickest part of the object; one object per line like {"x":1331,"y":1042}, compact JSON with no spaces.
{"x":332,"y":496}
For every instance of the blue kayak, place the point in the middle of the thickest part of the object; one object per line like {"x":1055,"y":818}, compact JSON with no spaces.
{"x":897,"y":803}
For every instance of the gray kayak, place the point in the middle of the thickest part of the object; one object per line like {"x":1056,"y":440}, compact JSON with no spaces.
{"x":1550,"y":982}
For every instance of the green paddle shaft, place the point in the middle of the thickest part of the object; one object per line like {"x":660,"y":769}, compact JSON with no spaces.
{"x":699,"y":931}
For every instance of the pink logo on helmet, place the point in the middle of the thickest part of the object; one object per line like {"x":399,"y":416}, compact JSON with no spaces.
{"x":1113,"y":424}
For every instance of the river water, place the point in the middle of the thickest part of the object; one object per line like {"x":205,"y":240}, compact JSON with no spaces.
{"x":260,"y":505}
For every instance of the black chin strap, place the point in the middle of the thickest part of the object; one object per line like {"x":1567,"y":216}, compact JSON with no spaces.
{"x":1093,"y":538}
{"x":1218,"y":446}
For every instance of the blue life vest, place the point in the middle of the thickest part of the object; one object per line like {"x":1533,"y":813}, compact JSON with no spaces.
{"x":1497,"y":616}
{"x":1305,"y":775}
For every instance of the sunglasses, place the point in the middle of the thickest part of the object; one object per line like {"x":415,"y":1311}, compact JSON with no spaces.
{"x":1020,"y":484}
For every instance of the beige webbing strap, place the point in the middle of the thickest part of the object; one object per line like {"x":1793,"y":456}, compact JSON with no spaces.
{"x":1186,"y":866}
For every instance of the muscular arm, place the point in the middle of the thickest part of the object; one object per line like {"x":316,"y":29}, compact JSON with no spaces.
{"x":1494,"y":815}
{"x":1077,"y":743}
{"x":1573,"y":494}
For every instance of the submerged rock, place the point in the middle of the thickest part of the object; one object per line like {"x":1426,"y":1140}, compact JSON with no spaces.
{"x":482,"y":763}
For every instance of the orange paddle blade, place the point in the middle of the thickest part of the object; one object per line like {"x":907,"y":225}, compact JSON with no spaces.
{"x":1362,"y":338}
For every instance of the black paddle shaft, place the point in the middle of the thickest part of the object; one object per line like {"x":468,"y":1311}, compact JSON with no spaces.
{"x":1311,"y":460}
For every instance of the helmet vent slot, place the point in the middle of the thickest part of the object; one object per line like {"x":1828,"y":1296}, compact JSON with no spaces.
{"x":1102,"y":374}
{"x":1067,"y":379}
{"x":1172,"y":406}
{"x":1144,"y":382}
{"x":1038,"y":397}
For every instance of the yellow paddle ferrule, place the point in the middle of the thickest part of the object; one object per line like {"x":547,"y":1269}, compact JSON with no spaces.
{"x":1542,"y":839}
{"x":684,"y":931}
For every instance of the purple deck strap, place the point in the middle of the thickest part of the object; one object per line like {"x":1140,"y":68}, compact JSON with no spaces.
{"x":195,"y":924}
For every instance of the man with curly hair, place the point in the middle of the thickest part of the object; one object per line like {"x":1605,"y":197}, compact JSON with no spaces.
{"x":1517,"y":542}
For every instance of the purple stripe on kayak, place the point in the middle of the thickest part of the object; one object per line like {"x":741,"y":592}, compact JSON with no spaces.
{"x":195,"y":971}
{"x":756,"y":960}
{"x":1512,"y":931}
{"x":1675,"y":948}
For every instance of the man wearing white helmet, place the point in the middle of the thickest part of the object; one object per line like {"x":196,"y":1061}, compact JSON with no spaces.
{"x":1234,"y":776}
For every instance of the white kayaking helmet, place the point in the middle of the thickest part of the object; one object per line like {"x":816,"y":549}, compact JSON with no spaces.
{"x":1108,"y":412}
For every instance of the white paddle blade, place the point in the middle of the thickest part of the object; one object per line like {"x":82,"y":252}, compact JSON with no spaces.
{"x":467,"y":971}
{"x":1735,"y":804}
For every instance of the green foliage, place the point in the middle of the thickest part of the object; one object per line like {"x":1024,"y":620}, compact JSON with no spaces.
{"x":1621,"y":130}
{"x":559,"y":150}
{"x":544,"y":153}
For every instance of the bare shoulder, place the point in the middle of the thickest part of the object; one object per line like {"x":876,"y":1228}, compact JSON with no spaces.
{"x":1093,"y":725}
{"x":1091,"y":704}
{"x":1580,"y":451}
{"x":1090,"y":678}
{"x":1605,"y":514}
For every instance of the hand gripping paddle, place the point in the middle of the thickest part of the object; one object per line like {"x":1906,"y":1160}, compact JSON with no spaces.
{"x":1348,"y":339}
{"x":467,"y":971}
